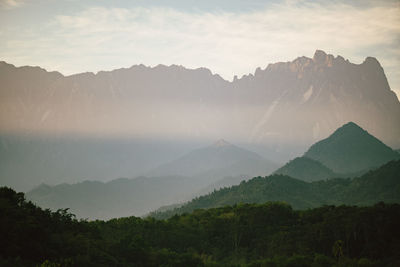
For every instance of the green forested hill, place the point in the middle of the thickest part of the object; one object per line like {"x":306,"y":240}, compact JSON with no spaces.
{"x":382,"y":184}
{"x":351,"y":149}
{"x":269,"y":234}
{"x":306,"y":169}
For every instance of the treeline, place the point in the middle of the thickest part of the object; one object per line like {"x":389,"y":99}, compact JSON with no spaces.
{"x":380,"y":185}
{"x":269,"y":234}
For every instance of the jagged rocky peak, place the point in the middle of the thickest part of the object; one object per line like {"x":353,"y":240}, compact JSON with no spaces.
{"x":3,"y":63}
{"x":299,"y":64}
{"x":258,"y":71}
{"x":221,"y":143}
{"x":320,"y":57}
{"x":372,"y":62}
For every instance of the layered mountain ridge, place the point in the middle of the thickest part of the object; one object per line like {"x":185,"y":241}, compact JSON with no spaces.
{"x":349,"y":151}
{"x":201,"y":170}
{"x":306,"y":169}
{"x":313,"y":179}
{"x":285,"y":105}
{"x":117,"y":198}
{"x":325,"y":91}
{"x":216,"y":161}
{"x":377,"y":185}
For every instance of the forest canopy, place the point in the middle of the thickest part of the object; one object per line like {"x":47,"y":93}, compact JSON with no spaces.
{"x":268,"y":234}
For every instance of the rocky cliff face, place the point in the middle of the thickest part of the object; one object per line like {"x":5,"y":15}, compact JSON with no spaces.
{"x":299,"y":102}
{"x":310,"y":97}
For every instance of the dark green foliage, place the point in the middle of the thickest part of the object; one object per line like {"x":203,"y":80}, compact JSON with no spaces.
{"x":378,"y":185}
{"x":306,"y":169}
{"x":270,"y":234}
{"x":350,"y":149}
{"x":31,"y":235}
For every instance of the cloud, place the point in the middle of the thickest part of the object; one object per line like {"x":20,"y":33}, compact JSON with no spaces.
{"x":228,"y":43}
{"x":10,"y":4}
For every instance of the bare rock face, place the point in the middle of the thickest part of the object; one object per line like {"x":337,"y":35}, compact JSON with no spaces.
{"x":301,"y":101}
{"x":307,"y":99}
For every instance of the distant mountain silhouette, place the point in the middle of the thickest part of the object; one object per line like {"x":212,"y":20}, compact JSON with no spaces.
{"x":382,"y":184}
{"x":324,"y":91}
{"x":351,"y":149}
{"x":117,"y":198}
{"x":308,"y":98}
{"x":28,"y":161}
{"x":285,"y":104}
{"x":202,"y":170}
{"x":216,"y":161}
{"x":306,"y":169}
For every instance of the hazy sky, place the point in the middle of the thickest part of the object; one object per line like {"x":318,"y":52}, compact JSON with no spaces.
{"x":230,"y":37}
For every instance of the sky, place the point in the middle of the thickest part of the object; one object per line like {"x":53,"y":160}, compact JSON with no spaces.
{"x":230,"y":37}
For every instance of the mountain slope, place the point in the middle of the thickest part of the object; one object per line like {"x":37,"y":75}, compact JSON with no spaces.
{"x":227,"y":181}
{"x":28,"y":161}
{"x":215,"y":162}
{"x":177,"y":181}
{"x":176,"y":103}
{"x":117,"y":198}
{"x":351,"y":149}
{"x":382,"y":184}
{"x":325,"y":91}
{"x":306,"y":169}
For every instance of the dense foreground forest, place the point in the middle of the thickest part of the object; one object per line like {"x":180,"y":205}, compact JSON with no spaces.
{"x":269,"y":234}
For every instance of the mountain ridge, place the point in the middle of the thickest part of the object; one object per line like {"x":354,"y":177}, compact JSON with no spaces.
{"x":382,"y":184}
{"x":351,"y":149}
{"x":116,"y":198}
{"x":185,"y":177}
{"x":217,"y":160}
{"x":306,"y":169}
{"x":173,"y":103}
{"x":319,"y":57}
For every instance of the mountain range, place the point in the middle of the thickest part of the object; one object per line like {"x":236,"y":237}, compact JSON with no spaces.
{"x":219,"y":167}
{"x":285,"y":105}
{"x":349,"y":151}
{"x":214,"y":162}
{"x":118,"y":198}
{"x":324,"y":91}
{"x":361,"y":152}
{"x":199,"y":171}
{"x":306,"y":169}
{"x":382,"y":184}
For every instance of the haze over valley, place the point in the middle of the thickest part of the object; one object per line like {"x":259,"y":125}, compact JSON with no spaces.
{"x":127,"y":122}
{"x":200,"y":133}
